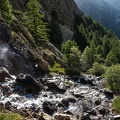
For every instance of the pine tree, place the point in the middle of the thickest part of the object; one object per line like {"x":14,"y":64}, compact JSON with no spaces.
{"x":6,"y":10}
{"x":111,"y":59}
{"x":71,"y":58}
{"x":86,"y":58}
{"x":34,"y":21}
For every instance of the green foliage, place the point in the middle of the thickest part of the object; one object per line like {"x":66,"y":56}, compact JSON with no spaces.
{"x":71,"y":58}
{"x":56,"y":68}
{"x":116,"y":105}
{"x":97,"y":69}
{"x":87,"y":58}
{"x":10,"y":116}
{"x":103,"y":45}
{"x":111,"y":59}
{"x":34,"y":21}
{"x":6,"y":10}
{"x":112,"y":77}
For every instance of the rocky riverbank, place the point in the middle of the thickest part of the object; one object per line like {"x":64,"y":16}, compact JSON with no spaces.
{"x":59,"y":97}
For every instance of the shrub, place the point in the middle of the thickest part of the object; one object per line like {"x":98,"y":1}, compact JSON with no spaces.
{"x":112,"y":77}
{"x":116,"y":104}
{"x":97,"y":69}
{"x":57,"y":69}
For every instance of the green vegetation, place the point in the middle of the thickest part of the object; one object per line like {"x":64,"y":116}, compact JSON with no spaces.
{"x":116,"y":105}
{"x":112,"y":77}
{"x":97,"y":69}
{"x":56,"y":68}
{"x":34,"y":21}
{"x":10,"y":116}
{"x":6,"y":10}
{"x":72,"y":56}
{"x":96,"y":43}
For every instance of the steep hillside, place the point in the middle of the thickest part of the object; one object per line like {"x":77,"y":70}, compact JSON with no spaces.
{"x":66,"y":21}
{"x":105,"y":11}
{"x":62,"y":13}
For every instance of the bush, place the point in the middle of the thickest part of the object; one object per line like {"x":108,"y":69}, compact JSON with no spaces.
{"x":57,"y":69}
{"x":97,"y":69}
{"x":116,"y":104}
{"x":112,"y":77}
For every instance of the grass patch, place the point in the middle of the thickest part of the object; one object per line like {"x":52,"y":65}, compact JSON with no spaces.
{"x":116,"y":105}
{"x":10,"y":116}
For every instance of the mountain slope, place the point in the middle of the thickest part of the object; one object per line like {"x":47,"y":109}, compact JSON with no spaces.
{"x":105,"y":11}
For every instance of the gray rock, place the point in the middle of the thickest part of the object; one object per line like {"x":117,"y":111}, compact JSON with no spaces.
{"x":49,"y":107}
{"x":63,"y":117}
{"x":103,"y":110}
{"x":4,"y":73}
{"x":29,"y":83}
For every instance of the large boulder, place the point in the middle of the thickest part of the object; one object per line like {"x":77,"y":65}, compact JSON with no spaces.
{"x":29,"y":83}
{"x":52,"y":86}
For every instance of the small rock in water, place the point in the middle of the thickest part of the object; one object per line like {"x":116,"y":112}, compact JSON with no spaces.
{"x":44,"y":116}
{"x":63,"y":117}
{"x":4,"y":73}
{"x":8,"y":105}
{"x":49,"y":107}
{"x":103,"y":111}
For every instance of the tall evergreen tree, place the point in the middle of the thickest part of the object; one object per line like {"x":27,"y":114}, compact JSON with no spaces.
{"x":6,"y":10}
{"x":71,"y":58}
{"x":34,"y":21}
{"x":111,"y":59}
{"x":86,"y":58}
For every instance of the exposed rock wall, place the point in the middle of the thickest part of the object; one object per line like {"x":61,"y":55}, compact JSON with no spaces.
{"x":61,"y":10}
{"x":14,"y":51}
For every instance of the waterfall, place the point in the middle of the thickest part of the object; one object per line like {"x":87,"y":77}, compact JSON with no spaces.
{"x":3,"y":52}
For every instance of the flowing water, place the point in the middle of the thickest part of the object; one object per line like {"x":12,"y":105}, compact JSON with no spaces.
{"x":85,"y":101}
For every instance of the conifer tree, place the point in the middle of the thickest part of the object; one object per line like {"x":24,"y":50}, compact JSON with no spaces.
{"x":71,"y":58}
{"x":34,"y":21}
{"x":86,"y":59}
{"x":6,"y":10}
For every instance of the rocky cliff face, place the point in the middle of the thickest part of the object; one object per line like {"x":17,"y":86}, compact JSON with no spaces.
{"x":20,"y":54}
{"x":16,"y":52}
{"x":61,"y":10}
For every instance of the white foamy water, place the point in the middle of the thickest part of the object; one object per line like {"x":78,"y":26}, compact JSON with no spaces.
{"x":36,"y":101}
{"x":3,"y":52}
{"x":28,"y":100}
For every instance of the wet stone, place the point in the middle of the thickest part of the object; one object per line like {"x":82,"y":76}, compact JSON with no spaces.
{"x":49,"y":107}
